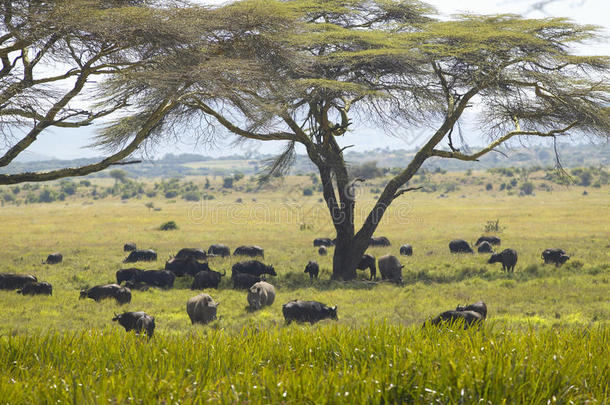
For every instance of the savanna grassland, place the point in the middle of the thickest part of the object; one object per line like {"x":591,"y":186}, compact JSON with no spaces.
{"x":546,"y":337}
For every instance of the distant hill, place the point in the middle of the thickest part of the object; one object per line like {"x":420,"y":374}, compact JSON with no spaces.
{"x":198,"y":165}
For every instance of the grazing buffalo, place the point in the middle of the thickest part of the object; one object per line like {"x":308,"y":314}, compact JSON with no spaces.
{"x":508,"y":258}
{"x":485,"y":247}
{"x":326,"y":242}
{"x":54,"y":258}
{"x":253,"y":267}
{"x":307,"y":311}
{"x":556,"y":256}
{"x":36,"y":288}
{"x":244,"y":280}
{"x":322,"y":251}
{"x":10,"y":281}
{"x":368,"y":262}
{"x":468,"y":318}
{"x":131,"y":274}
{"x":460,"y":246}
{"x":492,"y":240}
{"x":138,"y":286}
{"x":379,"y":241}
{"x":189,"y":266}
{"x":129,"y":247}
{"x":479,"y":307}
{"x":406,"y":250}
{"x":390,"y":268}
{"x":201,"y":309}
{"x":139,"y":321}
{"x":251,"y":251}
{"x":141,"y":256}
{"x":218,"y":249}
{"x":158,"y":278}
{"x":121,"y":294}
{"x":192,"y":253}
{"x":207,"y":279}
{"x":313,"y":269}
{"x":260,"y":295}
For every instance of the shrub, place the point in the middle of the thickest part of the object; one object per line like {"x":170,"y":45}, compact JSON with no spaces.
{"x":489,"y":187}
{"x":307,"y":192}
{"x":191,"y":196}
{"x":47,"y":195}
{"x":527,"y":188}
{"x":493,"y":226}
{"x":227,"y":182}
{"x":168,"y":226}
{"x":171,"y":194}
{"x":367,"y":170}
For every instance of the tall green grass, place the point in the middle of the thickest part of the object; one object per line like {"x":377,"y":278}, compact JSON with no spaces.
{"x":325,"y":363}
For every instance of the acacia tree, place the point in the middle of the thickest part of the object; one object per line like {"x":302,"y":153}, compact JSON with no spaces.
{"x":52,"y":51}
{"x":300,"y":71}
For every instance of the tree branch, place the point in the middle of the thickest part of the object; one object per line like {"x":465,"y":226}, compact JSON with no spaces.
{"x":405,"y":190}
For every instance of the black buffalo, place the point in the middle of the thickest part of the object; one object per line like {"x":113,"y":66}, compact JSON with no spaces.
{"x":485,"y":247}
{"x":192,"y":253}
{"x":492,"y":240}
{"x":379,"y":241}
{"x":138,"y":321}
{"x":253,"y":267}
{"x":129,"y":247}
{"x":131,"y":274}
{"x":141,"y":256}
{"x":322,"y":251}
{"x":368,"y":262}
{"x":244,"y":280}
{"x":158,"y":278}
{"x":121,"y":294}
{"x":508,"y":258}
{"x":556,"y":256}
{"x":54,"y":258}
{"x":406,"y":250}
{"x":307,"y":311}
{"x":459,"y":246}
{"x":36,"y":288}
{"x":251,"y":251}
{"x":218,"y":249}
{"x":189,"y":266}
{"x":206,"y":279}
{"x":327,"y":242}
{"x":10,"y":281}
{"x":137,"y":286}
{"x":313,"y":269}
{"x":468,"y":318}
{"x":479,"y":307}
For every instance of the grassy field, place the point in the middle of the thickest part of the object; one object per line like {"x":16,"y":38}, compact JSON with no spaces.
{"x":538,"y":313}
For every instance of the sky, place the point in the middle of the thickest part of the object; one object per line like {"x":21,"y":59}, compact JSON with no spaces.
{"x":72,"y":143}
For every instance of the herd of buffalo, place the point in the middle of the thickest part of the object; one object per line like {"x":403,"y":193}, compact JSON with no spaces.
{"x":251,"y":275}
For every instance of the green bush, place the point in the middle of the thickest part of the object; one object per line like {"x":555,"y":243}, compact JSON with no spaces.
{"x":527,"y":188}
{"x":47,"y":196}
{"x":307,"y":192}
{"x":191,"y":196}
{"x":227,"y":182}
{"x":168,"y":226}
{"x":489,"y":187}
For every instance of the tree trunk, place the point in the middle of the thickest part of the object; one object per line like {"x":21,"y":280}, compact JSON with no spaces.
{"x":348,"y":253}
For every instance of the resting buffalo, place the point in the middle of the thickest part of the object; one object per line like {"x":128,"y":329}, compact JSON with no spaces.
{"x":485,"y":247}
{"x":10,"y":281}
{"x":479,"y":307}
{"x":251,"y":251}
{"x":141,"y":256}
{"x":307,"y":311}
{"x":313,"y":269}
{"x":368,"y":262}
{"x":201,"y":309}
{"x":189,"y":266}
{"x":508,"y":258}
{"x":468,"y":318}
{"x":36,"y":288}
{"x":159,"y":278}
{"x":54,"y":258}
{"x":322,"y":251}
{"x":129,"y":247}
{"x":206,"y":279}
{"x":137,"y":286}
{"x":192,"y":253}
{"x":244,"y":280}
{"x":253,"y":267}
{"x":492,"y":240}
{"x":379,"y":241}
{"x":121,"y":294}
{"x":460,"y":246}
{"x":326,"y":242}
{"x":131,"y":274}
{"x":260,"y":295}
{"x":406,"y":250}
{"x":556,"y":256}
{"x":138,"y":321}
{"x":219,"y":250}
{"x":390,"y":268}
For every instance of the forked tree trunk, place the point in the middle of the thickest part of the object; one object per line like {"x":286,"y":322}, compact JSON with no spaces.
{"x":347,"y":255}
